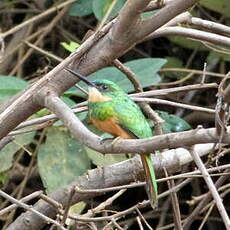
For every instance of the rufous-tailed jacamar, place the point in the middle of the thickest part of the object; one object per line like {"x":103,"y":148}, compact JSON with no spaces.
{"x":112,"y":111}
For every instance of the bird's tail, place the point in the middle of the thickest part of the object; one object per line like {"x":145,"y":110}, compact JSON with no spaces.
{"x":150,"y":179}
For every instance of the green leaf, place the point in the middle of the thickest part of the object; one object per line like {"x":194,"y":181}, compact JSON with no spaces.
{"x":77,"y":208}
{"x":186,"y":43}
{"x":10,"y":86}
{"x":145,"y":69}
{"x":68,"y":101}
{"x":7,"y":153}
{"x":220,"y":6}
{"x":214,"y":57}
{"x":42,"y":112}
{"x":61,"y":159}
{"x":148,"y":14}
{"x":100,"y":159}
{"x":71,"y":47}
{"x":173,"y":123}
{"x":174,"y":62}
{"x":104,"y":159}
{"x":4,"y":177}
{"x":101,"y":6}
{"x":81,"y":8}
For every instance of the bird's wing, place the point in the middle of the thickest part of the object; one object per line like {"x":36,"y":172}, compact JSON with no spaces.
{"x":131,"y":119}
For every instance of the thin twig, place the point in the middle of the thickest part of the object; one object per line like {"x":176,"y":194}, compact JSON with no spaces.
{"x":6,"y":140}
{"x":129,"y":74}
{"x":151,"y":93}
{"x":206,"y":216}
{"x":104,"y":204}
{"x":204,"y":73}
{"x":139,"y":223}
{"x":29,"y":208}
{"x":212,"y":189}
{"x":116,"y":224}
{"x":40,"y":38}
{"x":68,"y":206}
{"x":189,"y":220}
{"x":208,"y":73}
{"x":144,"y":220}
{"x":24,"y":199}
{"x":37,"y":17}
{"x":175,"y":204}
{"x":175,"y":104}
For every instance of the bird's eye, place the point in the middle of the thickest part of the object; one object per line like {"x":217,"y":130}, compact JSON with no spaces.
{"x":104,"y":87}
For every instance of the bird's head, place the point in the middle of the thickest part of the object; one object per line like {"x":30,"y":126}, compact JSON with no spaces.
{"x":99,"y":90}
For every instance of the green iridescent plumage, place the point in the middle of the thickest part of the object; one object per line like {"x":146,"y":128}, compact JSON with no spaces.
{"x":129,"y":116}
{"x":112,"y":111}
{"x":123,"y":108}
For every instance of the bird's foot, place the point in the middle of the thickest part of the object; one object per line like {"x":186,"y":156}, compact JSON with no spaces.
{"x":114,"y":140}
{"x":106,"y":139}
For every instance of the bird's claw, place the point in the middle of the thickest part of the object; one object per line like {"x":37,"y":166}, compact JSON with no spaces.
{"x":106,"y":139}
{"x":114,"y":140}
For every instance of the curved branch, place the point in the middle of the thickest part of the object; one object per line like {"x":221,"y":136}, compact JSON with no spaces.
{"x":213,"y":26}
{"x":101,"y":49}
{"x":125,"y":26}
{"x":171,"y":10}
{"x":191,"y":33}
{"x":140,"y":146}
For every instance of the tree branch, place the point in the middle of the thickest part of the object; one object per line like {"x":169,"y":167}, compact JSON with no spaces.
{"x":140,"y":146}
{"x":114,"y":175}
{"x":190,"y":33}
{"x":171,"y":10}
{"x":101,"y":49}
{"x":212,"y":189}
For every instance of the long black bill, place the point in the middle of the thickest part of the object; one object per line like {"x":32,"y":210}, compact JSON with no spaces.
{"x":81,"y":77}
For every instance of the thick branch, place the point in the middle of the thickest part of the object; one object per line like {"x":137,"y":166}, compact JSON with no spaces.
{"x":125,"y":26}
{"x":171,"y":10}
{"x":82,"y":106}
{"x":118,"y":174}
{"x":101,"y":49}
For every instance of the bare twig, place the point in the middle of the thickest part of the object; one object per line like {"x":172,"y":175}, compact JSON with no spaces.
{"x":213,"y":26}
{"x":24,"y":199}
{"x":175,"y":204}
{"x":167,"y":91}
{"x":189,"y":220}
{"x":200,"y":72}
{"x":212,"y":189}
{"x":104,"y":204}
{"x":143,"y":219}
{"x":29,"y":208}
{"x":176,"y":104}
{"x":46,"y":53}
{"x":191,"y":33}
{"x":6,"y":140}
{"x":129,"y":74}
{"x":40,"y":38}
{"x":37,"y":17}
{"x":139,"y":223}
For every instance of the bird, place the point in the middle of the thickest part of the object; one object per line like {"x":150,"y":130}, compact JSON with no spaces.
{"x":111,"y":110}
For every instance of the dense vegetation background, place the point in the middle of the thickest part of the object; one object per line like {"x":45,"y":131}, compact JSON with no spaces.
{"x":46,"y":157}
